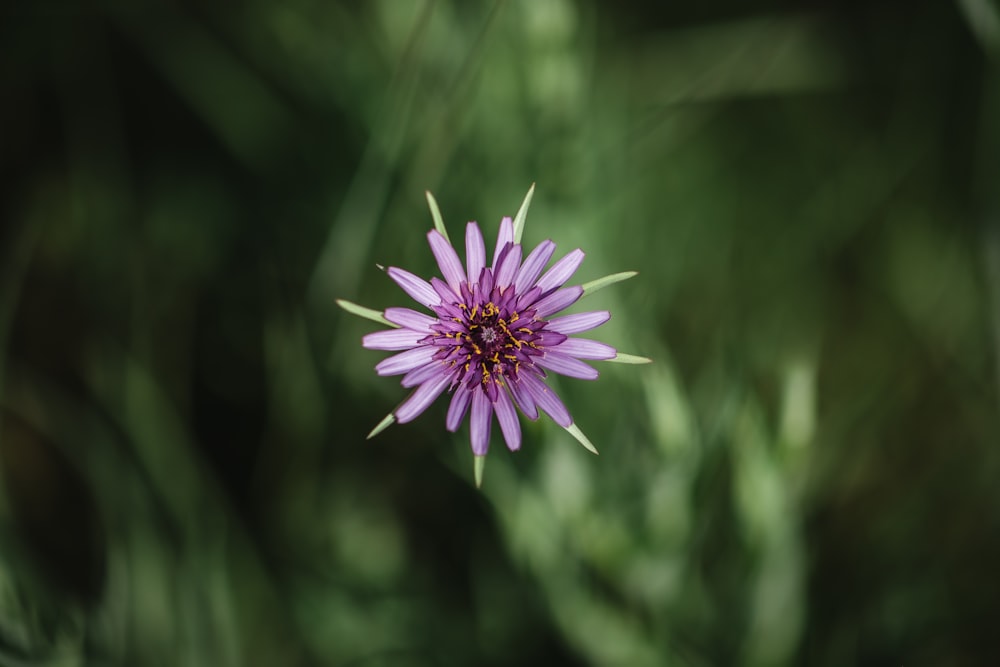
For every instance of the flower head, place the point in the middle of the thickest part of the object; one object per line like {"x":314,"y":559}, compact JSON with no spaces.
{"x":493,"y":334}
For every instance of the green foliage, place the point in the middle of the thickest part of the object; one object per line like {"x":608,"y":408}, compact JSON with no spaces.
{"x":805,"y":475}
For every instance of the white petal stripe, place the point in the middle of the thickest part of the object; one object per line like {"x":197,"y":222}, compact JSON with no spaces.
{"x":404,"y":362}
{"x":420,"y":399}
{"x":447,"y":259}
{"x":561,"y":271}
{"x":583,"y":348}
{"x":567,"y":324}
{"x":393,"y":339}
{"x":418,"y":288}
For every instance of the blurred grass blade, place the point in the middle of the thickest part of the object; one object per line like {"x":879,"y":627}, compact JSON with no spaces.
{"x":478,"y":465}
{"x":388,"y":421}
{"x":600,"y":283}
{"x":522,"y":214}
{"x":367,"y":313}
{"x":575,"y":431}
{"x":436,"y":214}
{"x":623,"y":358}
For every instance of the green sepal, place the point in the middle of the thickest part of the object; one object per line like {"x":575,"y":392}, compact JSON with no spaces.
{"x":623,"y":358}
{"x":382,"y":425}
{"x":594,"y":285}
{"x":367,"y":313}
{"x":575,"y":431}
{"x":479,"y":462}
{"x":436,"y":214}
{"x":522,"y":213}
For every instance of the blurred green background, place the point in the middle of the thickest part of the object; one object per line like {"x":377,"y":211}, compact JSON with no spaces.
{"x":807,"y":474}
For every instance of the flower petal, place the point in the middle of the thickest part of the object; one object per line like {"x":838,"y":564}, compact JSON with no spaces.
{"x":533,"y":265}
{"x":421,"y":399}
{"x":583,"y":348}
{"x":444,"y":291}
{"x":558,"y":300}
{"x":569,"y":324}
{"x":418,"y":288}
{"x":480,"y":421}
{"x":475,"y":251}
{"x":508,"y":266}
{"x":411,"y":319}
{"x":509,"y":424}
{"x":404,"y":362}
{"x":505,"y":236}
{"x":546,"y":399}
{"x":561,"y":271}
{"x":422,"y":374}
{"x":393,"y":339}
{"x":447,"y":259}
{"x":564,"y":365}
{"x":456,"y":410}
{"x":523,"y":399}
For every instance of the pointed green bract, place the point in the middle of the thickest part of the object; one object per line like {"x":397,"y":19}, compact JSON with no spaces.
{"x":382,"y":425}
{"x":594,"y":285}
{"x":436,"y":214}
{"x":367,"y":313}
{"x":622,"y":358}
{"x":478,"y":464}
{"x":522,"y":213}
{"x":575,"y":431}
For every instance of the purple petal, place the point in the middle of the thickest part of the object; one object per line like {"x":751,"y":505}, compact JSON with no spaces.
{"x":508,"y":266}
{"x":568,"y":324}
{"x":553,"y":303}
{"x":421,"y":399}
{"x":485,"y":282}
{"x":523,"y":399}
{"x":410,"y":319}
{"x":418,"y":288}
{"x":509,"y":425}
{"x":447,"y":259}
{"x":456,"y":410}
{"x":549,"y":339}
{"x":546,"y":399}
{"x":475,"y":251}
{"x":480,"y":421}
{"x":443,"y":291}
{"x":393,"y":339}
{"x":505,"y":236}
{"x":564,"y":365}
{"x":561,"y":271}
{"x":533,"y":265}
{"x":583,"y":348}
{"x":422,"y":374}
{"x":404,"y":362}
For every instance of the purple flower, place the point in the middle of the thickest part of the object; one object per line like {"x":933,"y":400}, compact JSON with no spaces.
{"x":492,"y":336}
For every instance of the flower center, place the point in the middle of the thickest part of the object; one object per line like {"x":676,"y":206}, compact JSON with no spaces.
{"x":489,"y":335}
